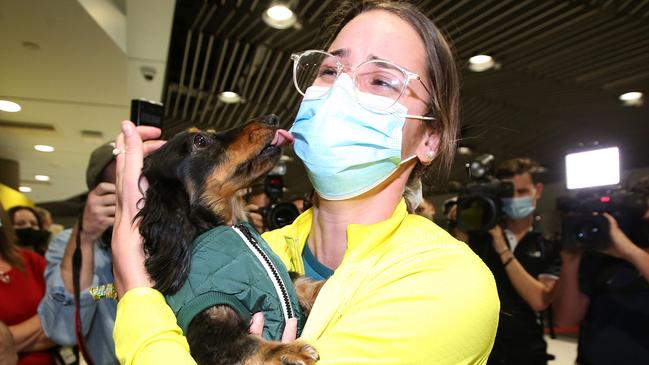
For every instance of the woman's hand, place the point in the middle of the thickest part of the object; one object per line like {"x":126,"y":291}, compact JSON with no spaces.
{"x":257,"y":327}
{"x":128,"y":254}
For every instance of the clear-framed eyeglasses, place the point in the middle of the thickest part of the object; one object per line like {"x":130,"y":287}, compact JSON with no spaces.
{"x":375,"y":76}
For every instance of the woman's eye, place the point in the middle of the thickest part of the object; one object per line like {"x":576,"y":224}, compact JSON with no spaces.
{"x":382,"y":82}
{"x":327,"y":72}
{"x":200,"y":141}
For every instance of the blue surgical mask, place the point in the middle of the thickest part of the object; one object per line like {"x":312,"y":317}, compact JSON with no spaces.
{"x":517,"y":208}
{"x":346,"y":148}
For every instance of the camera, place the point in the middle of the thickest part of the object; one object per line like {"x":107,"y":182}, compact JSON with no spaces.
{"x":594,"y":174}
{"x":584,"y":229}
{"x":479,"y":205}
{"x":277,"y":214}
{"x":147,"y":112}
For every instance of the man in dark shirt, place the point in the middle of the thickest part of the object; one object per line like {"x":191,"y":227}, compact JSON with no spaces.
{"x":607,"y":293}
{"x":525,"y":266}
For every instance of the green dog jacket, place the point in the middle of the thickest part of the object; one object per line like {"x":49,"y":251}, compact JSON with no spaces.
{"x":234,"y":266}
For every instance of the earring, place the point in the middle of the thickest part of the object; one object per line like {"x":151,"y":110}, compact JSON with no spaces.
{"x":430,"y":155}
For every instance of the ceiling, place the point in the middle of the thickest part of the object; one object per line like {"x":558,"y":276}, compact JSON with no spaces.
{"x":563,"y":65}
{"x":74,"y":86}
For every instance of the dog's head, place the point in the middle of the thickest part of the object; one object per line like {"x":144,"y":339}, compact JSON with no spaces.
{"x":193,"y":183}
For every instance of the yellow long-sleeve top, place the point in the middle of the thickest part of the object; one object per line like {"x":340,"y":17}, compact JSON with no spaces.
{"x":406,"y":292}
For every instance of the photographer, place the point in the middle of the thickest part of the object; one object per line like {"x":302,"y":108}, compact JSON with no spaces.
{"x":57,"y":309}
{"x":524,"y":265}
{"x":607,"y":293}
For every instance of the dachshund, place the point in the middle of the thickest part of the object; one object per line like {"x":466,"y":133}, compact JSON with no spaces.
{"x":193,"y":183}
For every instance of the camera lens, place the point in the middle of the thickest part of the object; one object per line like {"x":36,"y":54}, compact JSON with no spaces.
{"x":280,"y":215}
{"x":587,"y":232}
{"x":477,"y":213}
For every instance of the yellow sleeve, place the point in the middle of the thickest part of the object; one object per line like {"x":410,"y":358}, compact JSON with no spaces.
{"x":437,"y":316}
{"x":146,"y":331}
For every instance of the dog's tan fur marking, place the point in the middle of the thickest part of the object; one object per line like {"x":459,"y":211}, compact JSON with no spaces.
{"x":220,"y":186}
{"x":307,"y":290}
{"x":275,"y":353}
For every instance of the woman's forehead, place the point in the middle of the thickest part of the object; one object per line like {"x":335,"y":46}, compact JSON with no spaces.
{"x":380,"y":34}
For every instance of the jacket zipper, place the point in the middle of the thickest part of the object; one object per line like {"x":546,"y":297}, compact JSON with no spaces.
{"x":271,"y":270}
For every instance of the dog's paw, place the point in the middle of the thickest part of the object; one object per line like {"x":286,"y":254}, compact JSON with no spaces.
{"x":298,"y":353}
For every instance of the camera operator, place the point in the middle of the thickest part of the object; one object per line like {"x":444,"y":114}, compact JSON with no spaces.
{"x":256,"y":200}
{"x":525,"y":266}
{"x":607,"y":293}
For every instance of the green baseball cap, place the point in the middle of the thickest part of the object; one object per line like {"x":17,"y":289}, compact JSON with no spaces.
{"x":99,"y":159}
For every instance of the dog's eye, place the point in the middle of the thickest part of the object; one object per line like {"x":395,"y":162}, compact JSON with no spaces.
{"x":200,"y":141}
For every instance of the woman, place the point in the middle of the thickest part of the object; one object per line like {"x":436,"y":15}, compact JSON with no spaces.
{"x":21,"y":288}
{"x":29,"y":229}
{"x":382,"y":107}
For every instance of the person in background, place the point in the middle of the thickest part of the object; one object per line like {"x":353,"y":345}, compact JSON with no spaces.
{"x":57,"y":310}
{"x":29,"y":229}
{"x":381,"y":112}
{"x":48,"y":224}
{"x":256,"y":200}
{"x":525,"y":265}
{"x":21,"y":288}
{"x":607,"y":294}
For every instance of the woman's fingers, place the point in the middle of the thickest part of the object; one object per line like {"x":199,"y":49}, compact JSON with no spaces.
{"x":257,"y":324}
{"x":151,"y":146}
{"x":290,"y":331}
{"x":147,"y":132}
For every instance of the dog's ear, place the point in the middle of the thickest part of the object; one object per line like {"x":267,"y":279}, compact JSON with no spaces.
{"x":165,"y":221}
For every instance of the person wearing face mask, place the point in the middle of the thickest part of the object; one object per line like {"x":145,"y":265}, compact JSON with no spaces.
{"x":29,"y":229}
{"x":22,"y":340}
{"x":525,"y":265}
{"x":379,"y":109}
{"x":57,"y":309}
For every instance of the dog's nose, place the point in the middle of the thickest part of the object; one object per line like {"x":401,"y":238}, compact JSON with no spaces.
{"x":272,"y":120}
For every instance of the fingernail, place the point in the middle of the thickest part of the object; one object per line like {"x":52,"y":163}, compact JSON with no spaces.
{"x":127,"y":128}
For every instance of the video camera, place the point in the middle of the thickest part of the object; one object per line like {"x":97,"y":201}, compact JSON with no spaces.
{"x":595,"y":174}
{"x":479,"y":205}
{"x":277,"y":214}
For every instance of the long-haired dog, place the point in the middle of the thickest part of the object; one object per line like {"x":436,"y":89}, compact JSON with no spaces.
{"x":193,"y":183}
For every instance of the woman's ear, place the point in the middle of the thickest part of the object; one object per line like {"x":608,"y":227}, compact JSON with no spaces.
{"x":428,"y":145}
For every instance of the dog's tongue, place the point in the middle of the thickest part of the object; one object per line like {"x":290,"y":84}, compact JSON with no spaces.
{"x":282,"y":138}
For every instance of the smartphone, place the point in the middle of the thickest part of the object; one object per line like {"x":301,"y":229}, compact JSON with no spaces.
{"x":147,"y":112}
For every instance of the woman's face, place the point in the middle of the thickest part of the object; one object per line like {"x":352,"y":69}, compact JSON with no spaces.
{"x":24,"y":218}
{"x":381,"y":34}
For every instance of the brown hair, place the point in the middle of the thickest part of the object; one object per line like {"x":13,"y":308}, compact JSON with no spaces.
{"x":8,"y":249}
{"x":13,"y":210}
{"x":441,"y":73}
{"x":516,"y":166}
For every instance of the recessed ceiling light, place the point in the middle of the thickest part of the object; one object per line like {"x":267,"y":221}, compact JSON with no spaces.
{"x":43,"y":148}
{"x":481,"y":62}
{"x":463,"y":150}
{"x":25,"y":189}
{"x":634,"y":98}
{"x":229,"y":97}
{"x":9,"y":106}
{"x":279,"y":16}
{"x":42,"y":178}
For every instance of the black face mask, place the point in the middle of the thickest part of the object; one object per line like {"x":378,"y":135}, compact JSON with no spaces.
{"x":29,"y":237}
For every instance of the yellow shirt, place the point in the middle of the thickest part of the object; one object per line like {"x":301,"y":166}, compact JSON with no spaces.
{"x":406,"y":292}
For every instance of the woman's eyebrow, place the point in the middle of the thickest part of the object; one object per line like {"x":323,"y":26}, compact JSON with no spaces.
{"x":341,"y":52}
